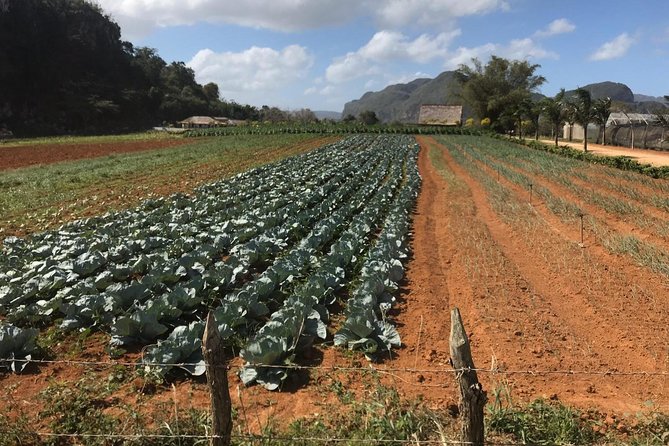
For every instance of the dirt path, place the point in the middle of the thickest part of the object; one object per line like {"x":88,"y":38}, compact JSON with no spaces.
{"x":654,"y":157}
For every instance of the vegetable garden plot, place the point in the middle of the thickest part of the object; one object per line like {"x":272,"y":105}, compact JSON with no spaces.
{"x":266,"y":250}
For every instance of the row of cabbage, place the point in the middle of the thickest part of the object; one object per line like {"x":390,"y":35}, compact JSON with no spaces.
{"x":166,"y":253}
{"x":267,"y":250}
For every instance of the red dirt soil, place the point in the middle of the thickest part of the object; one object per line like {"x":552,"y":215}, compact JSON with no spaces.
{"x":532,"y":301}
{"x":31,"y":155}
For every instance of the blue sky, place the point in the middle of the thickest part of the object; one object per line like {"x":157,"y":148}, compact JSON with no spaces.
{"x":320,"y":54}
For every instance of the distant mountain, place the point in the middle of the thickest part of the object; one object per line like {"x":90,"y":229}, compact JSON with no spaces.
{"x":401,"y":102}
{"x":322,"y":114}
{"x":646,"y":98}
{"x":614,"y":90}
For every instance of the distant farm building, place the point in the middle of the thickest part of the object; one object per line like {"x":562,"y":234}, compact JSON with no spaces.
{"x":440,"y":115}
{"x":205,"y":122}
{"x":626,"y":129}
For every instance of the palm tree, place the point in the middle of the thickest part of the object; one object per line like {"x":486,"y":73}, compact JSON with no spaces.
{"x":533,"y":113}
{"x":602,"y":111}
{"x":553,"y":109}
{"x":570,"y":117}
{"x":583,"y":112}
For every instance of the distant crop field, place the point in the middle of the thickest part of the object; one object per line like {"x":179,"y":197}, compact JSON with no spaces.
{"x":38,"y":197}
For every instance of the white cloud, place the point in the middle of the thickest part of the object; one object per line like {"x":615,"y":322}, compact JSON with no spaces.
{"x":255,"y":69}
{"x":517,"y":49}
{"x":527,"y":48}
{"x":387,"y":46}
{"x":139,"y":17}
{"x":351,"y":66}
{"x":464,"y":55}
{"x":431,"y":12}
{"x":406,"y":78}
{"x":559,"y":26}
{"x":614,"y":49}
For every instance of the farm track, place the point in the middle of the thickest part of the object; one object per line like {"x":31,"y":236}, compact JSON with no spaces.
{"x":575,"y":333}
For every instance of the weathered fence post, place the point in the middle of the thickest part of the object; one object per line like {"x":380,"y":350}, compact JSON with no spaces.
{"x":217,"y":379}
{"x":472,"y":396}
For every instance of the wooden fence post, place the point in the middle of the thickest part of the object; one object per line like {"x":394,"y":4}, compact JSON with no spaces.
{"x":472,"y":396}
{"x":217,"y":379}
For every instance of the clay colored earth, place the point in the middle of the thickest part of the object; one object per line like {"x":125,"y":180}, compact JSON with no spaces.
{"x":654,"y":157}
{"x":548,"y":316}
{"x":31,"y":155}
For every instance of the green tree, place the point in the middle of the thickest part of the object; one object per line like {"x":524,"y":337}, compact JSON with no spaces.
{"x":65,"y":69}
{"x":495,"y":90}
{"x":583,"y":112}
{"x":211,"y":92}
{"x":570,"y":117}
{"x":533,"y":114}
{"x":601,"y":112}
{"x":553,"y":109}
{"x":304,"y":116}
{"x":368,"y":117}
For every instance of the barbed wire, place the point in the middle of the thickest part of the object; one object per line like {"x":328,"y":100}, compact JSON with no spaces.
{"x":370,"y":368}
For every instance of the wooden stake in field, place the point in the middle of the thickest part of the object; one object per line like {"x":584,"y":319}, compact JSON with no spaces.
{"x":217,"y":380}
{"x":472,"y":396}
{"x":582,"y":244}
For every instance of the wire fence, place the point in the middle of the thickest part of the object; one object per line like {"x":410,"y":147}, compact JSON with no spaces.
{"x":248,"y":438}
{"x":334,"y":368}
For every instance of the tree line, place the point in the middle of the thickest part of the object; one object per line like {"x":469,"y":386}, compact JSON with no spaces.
{"x":65,"y":69}
{"x":503,"y":94}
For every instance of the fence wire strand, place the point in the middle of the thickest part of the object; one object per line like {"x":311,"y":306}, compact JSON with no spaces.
{"x":370,"y":368}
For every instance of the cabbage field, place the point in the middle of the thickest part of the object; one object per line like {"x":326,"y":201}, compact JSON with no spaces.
{"x":269,"y":251}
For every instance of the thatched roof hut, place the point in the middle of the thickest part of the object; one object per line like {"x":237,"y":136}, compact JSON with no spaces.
{"x":440,"y":115}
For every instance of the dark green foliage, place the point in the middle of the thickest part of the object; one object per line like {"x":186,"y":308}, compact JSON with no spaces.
{"x":553,"y":109}
{"x":540,"y":423}
{"x":65,"y":69}
{"x":368,"y":117}
{"x":499,"y":89}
